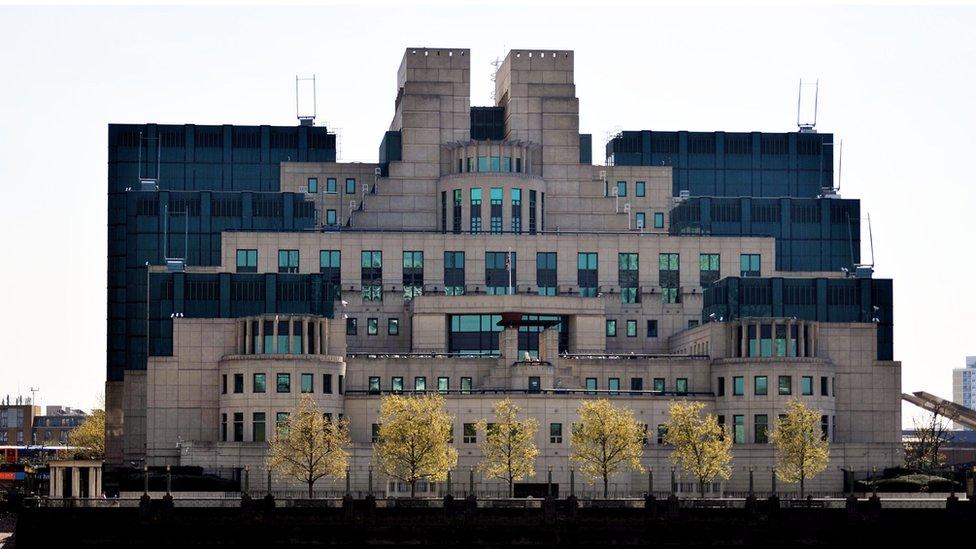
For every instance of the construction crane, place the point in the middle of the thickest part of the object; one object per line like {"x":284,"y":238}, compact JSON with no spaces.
{"x":950,"y":410}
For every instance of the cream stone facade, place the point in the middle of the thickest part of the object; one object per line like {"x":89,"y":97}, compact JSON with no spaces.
{"x":414,"y":315}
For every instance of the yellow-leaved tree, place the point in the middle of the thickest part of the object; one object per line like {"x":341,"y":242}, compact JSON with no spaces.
{"x":87,"y":440}
{"x":700,"y":445}
{"x":415,"y":439}
{"x":802,"y":451}
{"x":508,"y":447}
{"x":605,"y":439}
{"x":309,"y":446}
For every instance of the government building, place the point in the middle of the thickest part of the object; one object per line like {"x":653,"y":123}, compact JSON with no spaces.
{"x":484,"y":256}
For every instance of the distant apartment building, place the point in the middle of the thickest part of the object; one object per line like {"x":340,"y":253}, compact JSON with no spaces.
{"x":52,"y":428}
{"x":16,"y":421}
{"x":964,"y":386}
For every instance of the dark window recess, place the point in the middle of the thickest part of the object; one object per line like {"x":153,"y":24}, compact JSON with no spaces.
{"x":488,"y":123}
{"x":545,"y":273}
{"x":532,"y":219}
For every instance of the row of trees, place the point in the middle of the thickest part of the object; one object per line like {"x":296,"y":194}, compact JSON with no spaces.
{"x":415,"y":436}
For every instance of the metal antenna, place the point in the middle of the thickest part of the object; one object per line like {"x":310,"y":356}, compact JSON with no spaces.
{"x":34,"y":391}
{"x":840,"y":165}
{"x":306,"y":118}
{"x":871,"y":239}
{"x":807,"y":126}
{"x":494,"y":74}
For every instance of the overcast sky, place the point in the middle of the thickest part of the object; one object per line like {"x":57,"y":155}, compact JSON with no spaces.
{"x":896,"y":83}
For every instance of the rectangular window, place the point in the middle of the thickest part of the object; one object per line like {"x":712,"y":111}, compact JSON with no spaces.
{"x":640,"y":190}
{"x":456,"y":209}
{"x":281,"y":423}
{"x":516,"y":211}
{"x":613,"y":384}
{"x":640,"y":221}
{"x":259,"y":383}
{"x":652,"y":328}
{"x":658,"y":220}
{"x":223,"y":427}
{"x":668,"y":273}
{"x":738,"y":386}
{"x":621,"y":188}
{"x":374,"y":385}
{"x":611,"y":328}
{"x":760,"y":386}
{"x":372,"y":326}
{"x":238,"y":383}
{"x":465,"y":385}
{"x":352,"y":326}
{"x":330,"y":217}
{"x":313,"y":185}
{"x":475,"y":204}
{"x":413,"y":274}
{"x":283,"y":384}
{"x":681,"y":386}
{"x":637,"y":384}
{"x":482,"y":164}
{"x":396,"y":384}
{"x":555,"y":433}
{"x":330,"y":263}
{"x":545,"y":272}
{"x":453,"y":273}
{"x":824,"y":427}
{"x":371,"y":275}
{"x":785,"y":385}
{"x":223,"y":384}
{"x":374,"y":434}
{"x":659,"y":385}
{"x":587,"y":273}
{"x":287,"y":261}
{"x":350,"y":185}
{"x":470,"y":434}
{"x":330,"y":185}
{"x":327,"y":384}
{"x":238,"y":426}
{"x":535,"y":384}
{"x":662,"y":431}
{"x":709,"y":267}
{"x":496,"y":198}
{"x":532,"y":216}
{"x":823,"y":386}
{"x":307,"y":383}
{"x":631,"y":328}
{"x":806,"y":385}
{"x":739,"y":429}
{"x":393,"y":326}
{"x":628,"y":275}
{"x":420,"y":384}
{"x":591,"y":385}
{"x":720,"y":387}
{"x":443,"y":385}
{"x":247,"y":261}
{"x":749,"y":264}
{"x":761,"y":429}
{"x":501,"y":275}
{"x":341,"y":379}
{"x":258,"y":427}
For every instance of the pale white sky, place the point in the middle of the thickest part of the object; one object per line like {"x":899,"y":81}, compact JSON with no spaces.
{"x":897,"y":84}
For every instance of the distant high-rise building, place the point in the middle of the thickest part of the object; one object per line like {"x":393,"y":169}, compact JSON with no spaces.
{"x":964,"y":385}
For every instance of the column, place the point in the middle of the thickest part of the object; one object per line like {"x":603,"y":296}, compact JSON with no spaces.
{"x":92,"y":492}
{"x":259,"y":348}
{"x":75,"y":481}
{"x":814,"y":339}
{"x":56,"y":482}
{"x":801,"y":344}
{"x":758,"y":326}
{"x":274,"y":337}
{"x":744,"y":340}
{"x":772,"y":335}
{"x":324,"y":336}
{"x":318,"y":336}
{"x":304,"y":335}
{"x":248,"y":337}
{"x":789,"y":337}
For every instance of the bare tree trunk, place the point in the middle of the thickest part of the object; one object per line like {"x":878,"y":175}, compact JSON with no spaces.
{"x":413,"y":488}
{"x":606,"y":487}
{"x":511,"y":488}
{"x":701,"y":487}
{"x":311,"y":484}
{"x":802,"y":478}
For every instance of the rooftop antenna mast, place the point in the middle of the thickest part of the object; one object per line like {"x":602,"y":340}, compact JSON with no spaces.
{"x":34,"y":391}
{"x":807,"y":123}
{"x":494,"y":74}
{"x":305,"y":115}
